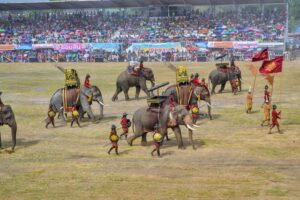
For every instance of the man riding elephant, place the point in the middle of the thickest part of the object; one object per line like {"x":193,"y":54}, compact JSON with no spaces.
{"x":222,"y":74}
{"x":134,"y":76}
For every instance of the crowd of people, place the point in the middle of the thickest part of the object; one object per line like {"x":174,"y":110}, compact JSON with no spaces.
{"x":98,"y":26}
{"x":95,"y":26}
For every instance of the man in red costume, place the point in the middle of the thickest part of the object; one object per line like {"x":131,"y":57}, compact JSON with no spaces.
{"x":275,"y":117}
{"x":87,"y":81}
{"x":267,"y":94}
{"x":125,"y":125}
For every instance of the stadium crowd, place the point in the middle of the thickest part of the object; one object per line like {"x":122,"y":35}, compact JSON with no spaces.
{"x":94,"y":26}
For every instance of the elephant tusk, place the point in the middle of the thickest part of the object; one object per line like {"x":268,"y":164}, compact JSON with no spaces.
{"x":196,"y":126}
{"x":101,"y":103}
{"x":191,"y":128}
{"x":209,"y":104}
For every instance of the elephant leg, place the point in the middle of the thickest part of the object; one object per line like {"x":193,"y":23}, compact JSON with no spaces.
{"x":14,"y":135}
{"x":222,"y":87}
{"x":0,"y":141}
{"x":144,"y":139}
{"x":240,"y":85}
{"x":138,"y":132}
{"x":178,"y":136}
{"x":191,"y":139}
{"x":213,"y":89}
{"x":125,"y":90}
{"x":137,"y":92}
{"x":61,"y":114}
{"x":115,"y":97}
{"x":143,"y":85}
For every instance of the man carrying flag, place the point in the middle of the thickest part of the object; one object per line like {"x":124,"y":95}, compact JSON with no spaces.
{"x":263,"y":55}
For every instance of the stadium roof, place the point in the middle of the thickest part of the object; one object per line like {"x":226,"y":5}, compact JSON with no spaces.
{"x":68,"y":4}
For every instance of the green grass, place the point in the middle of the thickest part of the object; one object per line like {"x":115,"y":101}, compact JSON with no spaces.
{"x":235,"y":158}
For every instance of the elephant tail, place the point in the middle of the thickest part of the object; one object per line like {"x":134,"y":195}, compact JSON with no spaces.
{"x":209,"y":81}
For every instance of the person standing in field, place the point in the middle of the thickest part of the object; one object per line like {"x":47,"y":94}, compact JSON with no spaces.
{"x":125,"y":123}
{"x":267,"y":110}
{"x":50,"y":119}
{"x":275,"y":117}
{"x":157,"y":140}
{"x":249,"y":101}
{"x":114,"y":138}
{"x":75,"y":116}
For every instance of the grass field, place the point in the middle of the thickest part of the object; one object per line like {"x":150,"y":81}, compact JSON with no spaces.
{"x":235,"y":158}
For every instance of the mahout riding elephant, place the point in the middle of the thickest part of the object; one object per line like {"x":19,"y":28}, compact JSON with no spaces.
{"x":7,"y":117}
{"x":56,"y":102}
{"x":126,"y":81}
{"x":201,"y":91}
{"x":221,"y":76}
{"x":145,"y":118}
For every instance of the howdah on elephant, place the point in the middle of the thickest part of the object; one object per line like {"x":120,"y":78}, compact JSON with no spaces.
{"x":190,"y":96}
{"x":81,"y":101}
{"x":220,"y":76}
{"x":126,"y":81}
{"x":145,"y":118}
{"x":7,"y":117}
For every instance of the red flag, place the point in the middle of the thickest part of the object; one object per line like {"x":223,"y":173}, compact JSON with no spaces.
{"x":272,"y":66}
{"x":261,"y":55}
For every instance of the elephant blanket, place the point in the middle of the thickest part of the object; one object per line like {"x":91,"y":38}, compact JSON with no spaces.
{"x":70,"y":98}
{"x":184,"y":93}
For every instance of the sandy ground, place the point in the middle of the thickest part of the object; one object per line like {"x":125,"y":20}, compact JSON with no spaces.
{"x":235,"y":157}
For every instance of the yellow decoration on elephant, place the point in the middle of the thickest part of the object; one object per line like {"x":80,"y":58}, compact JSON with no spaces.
{"x":181,"y":75}
{"x":71,"y":78}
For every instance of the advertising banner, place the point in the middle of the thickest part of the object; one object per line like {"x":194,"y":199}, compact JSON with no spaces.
{"x":23,"y":46}
{"x":110,"y":47}
{"x":156,"y":46}
{"x":245,"y":44}
{"x":6,"y":47}
{"x":42,"y":46}
{"x":69,"y":46}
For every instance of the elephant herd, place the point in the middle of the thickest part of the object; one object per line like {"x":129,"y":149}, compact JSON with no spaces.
{"x":144,"y":118}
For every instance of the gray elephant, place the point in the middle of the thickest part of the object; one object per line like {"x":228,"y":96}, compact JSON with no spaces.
{"x":145,"y":118}
{"x":196,"y":92}
{"x":221,"y":76}
{"x":56,"y":103}
{"x":97,"y":97}
{"x":126,"y":81}
{"x":7,"y":117}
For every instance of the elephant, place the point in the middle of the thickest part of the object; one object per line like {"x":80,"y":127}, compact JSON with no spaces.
{"x":145,"y":118}
{"x":7,"y":117}
{"x":219,"y":77}
{"x":97,"y":97}
{"x":125,"y":81}
{"x":197,"y":91}
{"x":56,"y":103}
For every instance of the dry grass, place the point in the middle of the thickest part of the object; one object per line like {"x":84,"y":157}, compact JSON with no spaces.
{"x":237,"y":158}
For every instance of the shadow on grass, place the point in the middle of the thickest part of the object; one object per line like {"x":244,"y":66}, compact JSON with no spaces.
{"x":21,"y":143}
{"x":106,"y":119}
{"x":125,"y":152}
{"x":168,"y":153}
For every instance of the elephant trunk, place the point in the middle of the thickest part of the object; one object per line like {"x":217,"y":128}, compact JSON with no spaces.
{"x":101,"y":106}
{"x":13,"y":127}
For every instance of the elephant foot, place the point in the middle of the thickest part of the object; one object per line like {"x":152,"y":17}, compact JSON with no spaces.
{"x":10,"y":151}
{"x":129,"y":141}
{"x":181,"y":147}
{"x":194,"y":147}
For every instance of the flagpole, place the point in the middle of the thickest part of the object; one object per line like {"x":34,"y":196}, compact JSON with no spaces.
{"x":254,"y":82}
{"x":272,"y":89}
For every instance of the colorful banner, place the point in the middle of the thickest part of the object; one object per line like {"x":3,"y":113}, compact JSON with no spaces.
{"x":223,"y":45}
{"x":245,"y":45}
{"x":156,"y":46}
{"x":23,"y":47}
{"x":110,"y":47}
{"x":6,"y":47}
{"x":42,"y":46}
{"x":201,"y":44}
{"x":69,"y":46}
